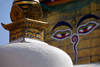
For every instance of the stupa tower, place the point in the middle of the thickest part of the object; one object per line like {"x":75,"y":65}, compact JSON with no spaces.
{"x":26,"y":47}
{"x":26,"y":21}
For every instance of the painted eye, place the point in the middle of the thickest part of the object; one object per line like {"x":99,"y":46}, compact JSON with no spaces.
{"x":84,"y":29}
{"x":38,"y":37}
{"x":58,"y":35}
{"x":61,"y":34}
{"x":20,"y":35}
{"x":29,"y":35}
{"x":14,"y":37}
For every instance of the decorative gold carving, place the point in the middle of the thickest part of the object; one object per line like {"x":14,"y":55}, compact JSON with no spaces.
{"x":26,"y":32}
{"x":25,"y":2}
{"x":26,"y":23}
{"x":34,"y":33}
{"x":21,"y":0}
{"x":34,"y":12}
{"x":16,"y":13}
{"x":25,"y":11}
{"x":25,"y":6}
{"x":31,"y":10}
{"x":16,"y":33}
{"x":25,"y":16}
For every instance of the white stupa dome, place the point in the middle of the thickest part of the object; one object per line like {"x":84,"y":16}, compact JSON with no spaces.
{"x":36,"y":54}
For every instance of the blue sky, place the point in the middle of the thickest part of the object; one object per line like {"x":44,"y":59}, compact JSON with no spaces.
{"x":5,"y":8}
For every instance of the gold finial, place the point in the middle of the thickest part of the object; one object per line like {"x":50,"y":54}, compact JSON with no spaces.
{"x":29,"y":9}
{"x":26,"y":16}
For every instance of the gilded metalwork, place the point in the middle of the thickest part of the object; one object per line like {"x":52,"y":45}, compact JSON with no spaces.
{"x":26,"y":32}
{"x":25,"y":16}
{"x":16,"y":34}
{"x":26,"y":22}
{"x":16,"y":13}
{"x":34,"y":12}
{"x":29,"y":9}
{"x":34,"y":33}
{"x":25,"y":7}
{"x":26,"y":2}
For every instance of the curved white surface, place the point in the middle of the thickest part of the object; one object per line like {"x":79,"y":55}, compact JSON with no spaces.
{"x":33,"y":55}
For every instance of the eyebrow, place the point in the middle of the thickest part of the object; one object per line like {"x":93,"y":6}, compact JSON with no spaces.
{"x":19,"y":32}
{"x":13,"y":34}
{"x":86,"y":17}
{"x":38,"y":33}
{"x":30,"y":32}
{"x":62,"y":23}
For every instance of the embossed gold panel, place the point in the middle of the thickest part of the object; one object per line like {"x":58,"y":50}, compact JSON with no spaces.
{"x":17,"y":33}
{"x":34,"y":33}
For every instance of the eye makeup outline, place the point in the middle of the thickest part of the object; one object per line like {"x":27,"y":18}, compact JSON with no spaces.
{"x":38,"y":33}
{"x":86,"y":17}
{"x":62,"y":23}
{"x":29,"y":35}
{"x":62,"y":34}
{"x":38,"y":37}
{"x":29,"y":31}
{"x":90,"y":22}
{"x":21,"y":35}
{"x":62,"y":31}
{"x":13,"y":34}
{"x":86,"y":28}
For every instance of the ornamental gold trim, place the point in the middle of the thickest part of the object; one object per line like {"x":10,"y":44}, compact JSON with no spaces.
{"x":20,"y":0}
{"x":25,"y":15}
{"x":25,"y":6}
{"x":16,"y":13}
{"x":26,"y":2}
{"x":25,"y":22}
{"x":34,"y":12}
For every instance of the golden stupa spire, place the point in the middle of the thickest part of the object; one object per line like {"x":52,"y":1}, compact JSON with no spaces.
{"x":26,"y":16}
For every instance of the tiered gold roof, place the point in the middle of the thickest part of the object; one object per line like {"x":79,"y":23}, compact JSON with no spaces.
{"x":26,"y":22}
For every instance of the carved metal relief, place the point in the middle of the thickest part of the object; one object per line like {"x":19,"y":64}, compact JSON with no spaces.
{"x":16,"y":13}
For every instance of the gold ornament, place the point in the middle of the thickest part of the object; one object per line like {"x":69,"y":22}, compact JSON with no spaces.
{"x":29,"y":9}
{"x":26,"y":16}
{"x":16,"y":13}
{"x":34,"y":12}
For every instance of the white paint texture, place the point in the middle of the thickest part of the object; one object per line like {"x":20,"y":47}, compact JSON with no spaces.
{"x":28,"y":40}
{"x":37,"y":54}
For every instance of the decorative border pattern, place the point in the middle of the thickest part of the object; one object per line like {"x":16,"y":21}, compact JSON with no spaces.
{"x":25,"y":22}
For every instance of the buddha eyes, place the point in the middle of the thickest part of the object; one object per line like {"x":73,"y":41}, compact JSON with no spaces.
{"x":87,"y":28}
{"x":82,"y":30}
{"x":61,"y":34}
{"x":21,"y":35}
{"x":14,"y":37}
{"x":29,"y":35}
{"x":38,"y":37}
